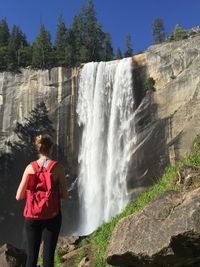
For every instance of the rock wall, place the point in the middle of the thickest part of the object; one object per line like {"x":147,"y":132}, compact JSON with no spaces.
{"x":167,"y":119}
{"x":175,"y":68}
{"x":21,"y":92}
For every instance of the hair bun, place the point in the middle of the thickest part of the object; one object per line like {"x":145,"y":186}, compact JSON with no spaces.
{"x":43,"y":143}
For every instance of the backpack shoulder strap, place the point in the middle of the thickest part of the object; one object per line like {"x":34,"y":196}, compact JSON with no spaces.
{"x":35,"y":166}
{"x":51,"y":164}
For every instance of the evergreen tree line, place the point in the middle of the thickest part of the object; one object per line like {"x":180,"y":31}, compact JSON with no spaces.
{"x":178,"y":33}
{"x":83,"y":42}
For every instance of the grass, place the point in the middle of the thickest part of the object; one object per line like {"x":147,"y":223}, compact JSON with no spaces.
{"x":80,"y":256}
{"x":58,"y":257}
{"x":194,"y":158}
{"x":100,"y":238}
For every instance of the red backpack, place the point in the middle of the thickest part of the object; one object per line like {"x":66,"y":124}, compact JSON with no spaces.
{"x":42,"y":199}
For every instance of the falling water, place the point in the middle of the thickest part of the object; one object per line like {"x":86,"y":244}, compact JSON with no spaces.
{"x":106,"y":112}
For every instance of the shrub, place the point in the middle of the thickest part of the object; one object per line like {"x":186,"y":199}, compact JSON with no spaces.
{"x":149,"y":84}
{"x":178,"y":34}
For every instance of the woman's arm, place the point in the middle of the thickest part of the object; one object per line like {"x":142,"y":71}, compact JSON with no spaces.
{"x":21,"y":191}
{"x":63,"y":182}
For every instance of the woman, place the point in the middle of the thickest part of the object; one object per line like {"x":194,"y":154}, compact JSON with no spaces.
{"x":49,"y":228}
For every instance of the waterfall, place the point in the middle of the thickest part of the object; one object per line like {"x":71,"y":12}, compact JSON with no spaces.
{"x":105,"y":111}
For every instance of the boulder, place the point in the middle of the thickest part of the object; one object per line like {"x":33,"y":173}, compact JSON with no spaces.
{"x":11,"y":256}
{"x":164,"y":233}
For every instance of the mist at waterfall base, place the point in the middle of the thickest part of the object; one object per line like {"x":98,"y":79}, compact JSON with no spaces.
{"x":106,"y":114}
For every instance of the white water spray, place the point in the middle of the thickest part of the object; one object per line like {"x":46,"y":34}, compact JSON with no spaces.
{"x":106,"y":112}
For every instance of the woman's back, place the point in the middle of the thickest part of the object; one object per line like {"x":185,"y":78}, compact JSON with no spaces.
{"x":35,"y":227}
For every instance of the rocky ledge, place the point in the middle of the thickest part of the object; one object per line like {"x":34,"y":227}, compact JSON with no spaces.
{"x":166,"y":233}
{"x":11,"y":256}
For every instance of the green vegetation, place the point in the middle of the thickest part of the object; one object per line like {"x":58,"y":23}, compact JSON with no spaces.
{"x":118,"y":54}
{"x":178,"y":33}
{"x":149,"y":84}
{"x":21,"y":151}
{"x":194,"y":158}
{"x":129,"y":50}
{"x":84,"y":41}
{"x":62,"y":49}
{"x":58,"y":256}
{"x":4,"y":33}
{"x":158,"y":30}
{"x":100,"y":238}
{"x":80,"y":256}
{"x":42,"y":49}
{"x":107,"y":50}
{"x":37,"y":123}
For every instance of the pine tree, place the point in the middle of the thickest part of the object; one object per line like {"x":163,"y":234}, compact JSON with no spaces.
{"x":26,"y":54}
{"x":16,"y":44}
{"x":94,"y":34}
{"x":4,"y":33}
{"x":75,"y":41}
{"x":178,"y":33}
{"x":42,"y":49}
{"x":108,"y":50}
{"x":91,"y":36}
{"x":37,"y":123}
{"x":4,"y":58}
{"x":85,"y":41}
{"x":62,"y":44}
{"x":118,"y":54}
{"x":129,"y":50}
{"x":22,"y":151}
{"x":17,"y":38}
{"x":90,"y":32}
{"x":4,"y":39}
{"x":158,"y":30}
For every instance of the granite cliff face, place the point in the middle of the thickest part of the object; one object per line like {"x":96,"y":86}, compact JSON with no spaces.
{"x":175,"y":67}
{"x":167,"y":119}
{"x":21,"y":92}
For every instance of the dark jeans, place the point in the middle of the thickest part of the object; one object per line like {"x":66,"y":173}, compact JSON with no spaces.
{"x":34,"y":230}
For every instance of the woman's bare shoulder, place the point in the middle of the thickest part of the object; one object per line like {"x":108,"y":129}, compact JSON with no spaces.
{"x":29,"y":168}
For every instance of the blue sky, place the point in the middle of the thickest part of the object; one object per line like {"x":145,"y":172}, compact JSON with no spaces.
{"x":116,"y":16}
